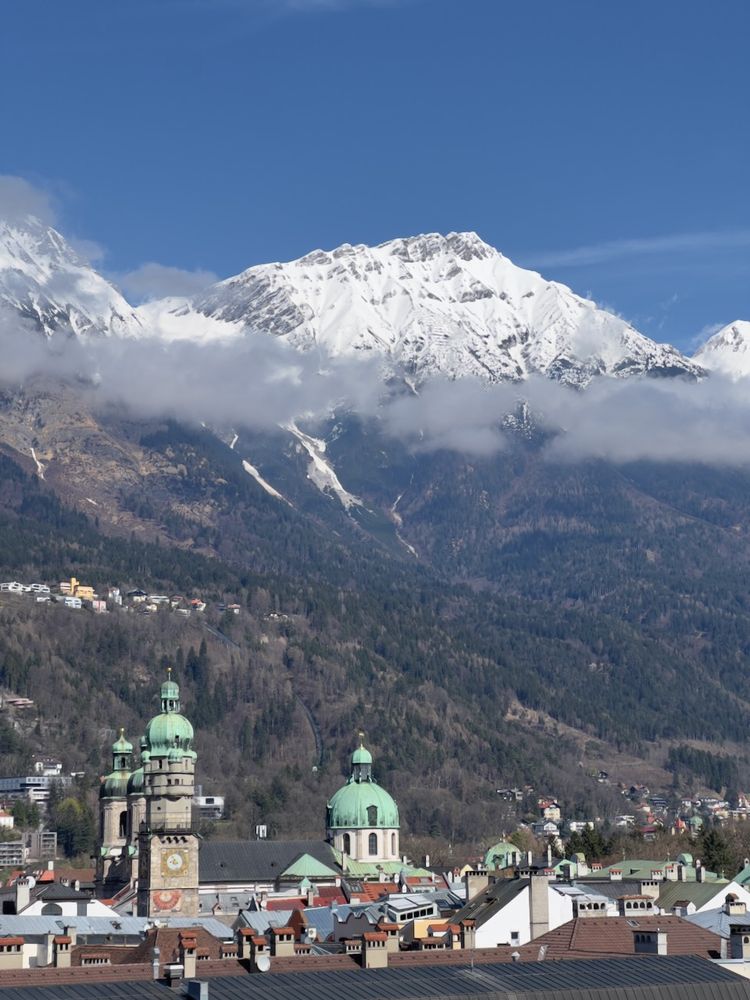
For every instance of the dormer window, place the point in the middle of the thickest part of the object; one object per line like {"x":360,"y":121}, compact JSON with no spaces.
{"x":372,"y":815}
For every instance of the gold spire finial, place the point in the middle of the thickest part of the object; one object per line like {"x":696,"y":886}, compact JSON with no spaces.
{"x":169,"y":673}
{"x":122,"y":732}
{"x":361,"y":738}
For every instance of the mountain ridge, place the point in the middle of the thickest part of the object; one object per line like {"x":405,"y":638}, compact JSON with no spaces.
{"x":427,"y":305}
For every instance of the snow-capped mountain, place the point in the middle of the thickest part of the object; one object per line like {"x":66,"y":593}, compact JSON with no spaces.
{"x":430,"y":305}
{"x":728,"y":351}
{"x":47,"y":282}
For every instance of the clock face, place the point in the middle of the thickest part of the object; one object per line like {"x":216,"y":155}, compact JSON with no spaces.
{"x":174,"y":862}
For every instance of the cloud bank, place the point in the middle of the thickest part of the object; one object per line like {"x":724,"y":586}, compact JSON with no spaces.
{"x":260,"y":382}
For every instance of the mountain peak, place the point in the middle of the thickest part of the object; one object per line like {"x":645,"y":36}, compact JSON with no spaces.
{"x":48,"y":283}
{"x":466,"y":246}
{"x":728,"y":350}
{"x":433,"y":304}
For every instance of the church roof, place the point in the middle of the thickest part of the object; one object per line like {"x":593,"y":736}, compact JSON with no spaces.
{"x":306,"y":866}
{"x":257,"y":860}
{"x":362,"y":805}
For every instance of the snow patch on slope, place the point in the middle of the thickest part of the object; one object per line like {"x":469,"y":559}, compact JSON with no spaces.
{"x":320,"y":471}
{"x":252,"y":471}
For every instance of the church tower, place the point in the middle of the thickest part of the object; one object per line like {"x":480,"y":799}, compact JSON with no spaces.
{"x":113,"y":813}
{"x":168,"y":845}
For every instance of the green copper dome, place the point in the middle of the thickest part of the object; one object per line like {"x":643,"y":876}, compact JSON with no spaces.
{"x":362,"y":803}
{"x":168,"y":734}
{"x":361,"y":756}
{"x":115,"y":785}
{"x":121,"y":745}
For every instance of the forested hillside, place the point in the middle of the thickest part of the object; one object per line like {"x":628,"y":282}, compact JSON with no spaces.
{"x":554,"y":622}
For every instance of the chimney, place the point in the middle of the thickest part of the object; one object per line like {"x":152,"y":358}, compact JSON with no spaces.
{"x":649,"y":887}
{"x":375,"y":950}
{"x":539,"y":904}
{"x":426,"y":861}
{"x":475,"y":883}
{"x":174,"y":974}
{"x":61,"y":951}
{"x":188,"y":956}
{"x":72,"y":933}
{"x":244,"y":934}
{"x":615,"y":875}
{"x":391,"y":930}
{"x":282,"y":942}
{"x":155,"y":963}
{"x":259,"y":952}
{"x":650,"y":942}
{"x":11,"y":952}
{"x":23,"y":893}
{"x":468,"y":933}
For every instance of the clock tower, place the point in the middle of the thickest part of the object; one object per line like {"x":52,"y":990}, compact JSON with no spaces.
{"x":168,"y":845}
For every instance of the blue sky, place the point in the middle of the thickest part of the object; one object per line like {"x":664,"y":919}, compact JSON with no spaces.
{"x":605,"y":143}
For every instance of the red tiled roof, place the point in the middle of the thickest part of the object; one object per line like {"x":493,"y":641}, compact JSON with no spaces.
{"x":286,"y":904}
{"x":589,"y":937}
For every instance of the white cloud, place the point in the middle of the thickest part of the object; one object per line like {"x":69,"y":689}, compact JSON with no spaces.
{"x":19,"y":199}
{"x":157,"y":281}
{"x":679,"y":243}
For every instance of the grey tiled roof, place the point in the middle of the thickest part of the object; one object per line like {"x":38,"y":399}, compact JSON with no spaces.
{"x":655,"y":978}
{"x":257,"y":860}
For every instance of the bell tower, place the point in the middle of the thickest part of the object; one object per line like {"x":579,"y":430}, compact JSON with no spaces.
{"x":168,"y":844}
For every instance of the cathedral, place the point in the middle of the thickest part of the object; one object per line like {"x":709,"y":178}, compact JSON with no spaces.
{"x":149,"y":849}
{"x":146,"y":825}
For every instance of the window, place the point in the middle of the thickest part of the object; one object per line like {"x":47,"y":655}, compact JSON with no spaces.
{"x":393,"y":843}
{"x":372,"y":815}
{"x":347,"y":844}
{"x":373,"y":843}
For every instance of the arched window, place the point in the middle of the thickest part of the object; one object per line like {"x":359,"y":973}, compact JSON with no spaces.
{"x":372,"y":843}
{"x":347,"y":844}
{"x":124,"y":823}
{"x":372,"y":815}
{"x":393,"y":843}
{"x":51,"y":910}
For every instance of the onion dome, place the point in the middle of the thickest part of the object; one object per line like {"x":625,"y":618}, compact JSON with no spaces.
{"x":115,"y":785}
{"x":362,"y":803}
{"x":168,"y":731}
